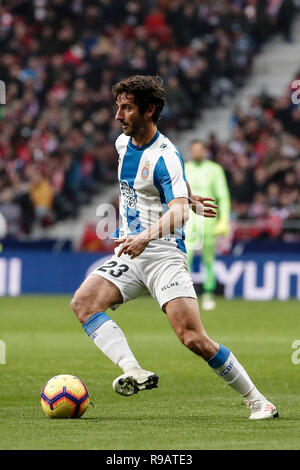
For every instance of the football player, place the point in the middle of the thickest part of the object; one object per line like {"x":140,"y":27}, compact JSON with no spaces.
{"x":154,"y":206}
{"x":206,"y":177}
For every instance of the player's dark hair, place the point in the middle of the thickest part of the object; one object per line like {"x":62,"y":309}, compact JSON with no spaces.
{"x":197,"y":141}
{"x":146,"y":90}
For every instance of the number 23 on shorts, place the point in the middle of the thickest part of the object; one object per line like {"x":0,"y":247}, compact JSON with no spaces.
{"x":121,"y":268}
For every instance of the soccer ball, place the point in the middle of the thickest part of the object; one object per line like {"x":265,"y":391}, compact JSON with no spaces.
{"x":64,"y":396}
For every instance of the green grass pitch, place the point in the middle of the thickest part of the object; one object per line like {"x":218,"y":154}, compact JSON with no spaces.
{"x":191,"y":409}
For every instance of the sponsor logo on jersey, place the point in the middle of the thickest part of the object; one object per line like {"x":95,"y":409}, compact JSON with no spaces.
{"x":128,"y":194}
{"x":145,"y":170}
{"x":168,"y":286}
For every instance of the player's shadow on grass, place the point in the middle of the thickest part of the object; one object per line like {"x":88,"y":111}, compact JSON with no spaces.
{"x":159,"y":419}
{"x":173,"y":418}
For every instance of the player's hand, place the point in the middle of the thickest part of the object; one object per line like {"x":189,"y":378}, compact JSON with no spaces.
{"x":222,"y":228}
{"x":133,"y":245}
{"x":201,"y":206}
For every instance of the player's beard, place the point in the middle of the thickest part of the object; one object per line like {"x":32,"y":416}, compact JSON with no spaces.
{"x":136,"y":128}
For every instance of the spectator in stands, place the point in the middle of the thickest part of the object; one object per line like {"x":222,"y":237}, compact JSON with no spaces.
{"x":41,"y":194}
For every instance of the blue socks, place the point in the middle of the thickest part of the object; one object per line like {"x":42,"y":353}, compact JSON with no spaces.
{"x":219,"y":358}
{"x":94,"y":322}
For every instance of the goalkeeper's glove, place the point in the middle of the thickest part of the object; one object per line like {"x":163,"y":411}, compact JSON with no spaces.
{"x":222,"y":227}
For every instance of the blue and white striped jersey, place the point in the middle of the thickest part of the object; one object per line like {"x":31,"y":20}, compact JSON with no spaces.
{"x":150,"y":177}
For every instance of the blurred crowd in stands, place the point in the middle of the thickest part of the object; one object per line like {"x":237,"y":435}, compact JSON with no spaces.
{"x":262,"y":163}
{"x":59,"y":59}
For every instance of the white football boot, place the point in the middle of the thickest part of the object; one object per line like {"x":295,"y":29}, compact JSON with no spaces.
{"x":134,"y":381}
{"x":262,"y":409}
{"x":208,"y":302}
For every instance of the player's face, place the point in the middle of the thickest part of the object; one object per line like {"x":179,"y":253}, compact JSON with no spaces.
{"x":133,"y":123}
{"x":198,"y":151}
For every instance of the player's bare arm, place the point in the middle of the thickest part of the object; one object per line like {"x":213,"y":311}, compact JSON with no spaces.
{"x":174,"y":218}
{"x":200,"y":206}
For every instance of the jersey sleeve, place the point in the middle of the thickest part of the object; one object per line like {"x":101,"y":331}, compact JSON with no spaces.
{"x":169,"y":177}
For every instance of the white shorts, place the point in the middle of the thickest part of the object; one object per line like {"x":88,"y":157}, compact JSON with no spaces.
{"x":161,"y":269}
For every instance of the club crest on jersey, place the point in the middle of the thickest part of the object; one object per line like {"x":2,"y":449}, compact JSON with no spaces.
{"x":145,"y":170}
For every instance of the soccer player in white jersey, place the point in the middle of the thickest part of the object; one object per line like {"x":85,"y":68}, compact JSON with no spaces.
{"x":154,"y":206}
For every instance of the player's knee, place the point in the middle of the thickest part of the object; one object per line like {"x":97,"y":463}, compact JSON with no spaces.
{"x":190,"y":340}
{"x":81,"y":307}
{"x":199,"y":344}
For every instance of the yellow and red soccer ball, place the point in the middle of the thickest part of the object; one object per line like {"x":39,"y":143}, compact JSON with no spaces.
{"x":64,"y":396}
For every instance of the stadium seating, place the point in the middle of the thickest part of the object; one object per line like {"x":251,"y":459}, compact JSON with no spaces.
{"x":59,"y":60}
